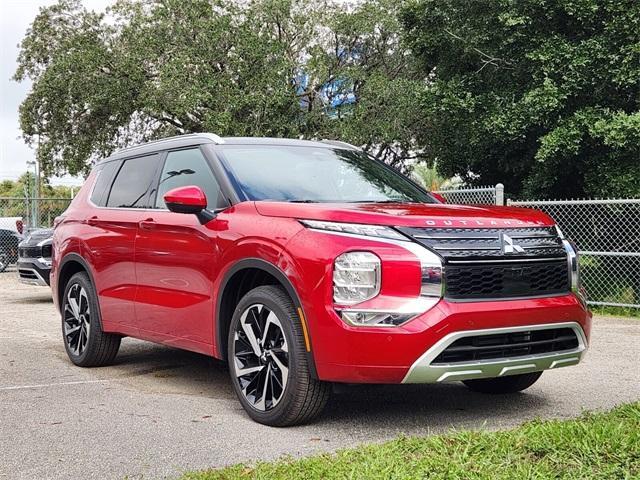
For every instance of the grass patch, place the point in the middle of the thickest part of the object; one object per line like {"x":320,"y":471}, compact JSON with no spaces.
{"x":594,"y":446}
{"x":616,"y":311}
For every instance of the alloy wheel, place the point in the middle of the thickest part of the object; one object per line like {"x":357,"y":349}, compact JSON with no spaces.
{"x":77,"y":319}
{"x":260,"y":357}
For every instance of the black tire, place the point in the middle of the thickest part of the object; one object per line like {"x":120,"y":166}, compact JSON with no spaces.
{"x":96,"y":349}
{"x":508,"y":384}
{"x":4,"y":261}
{"x":302,"y":397}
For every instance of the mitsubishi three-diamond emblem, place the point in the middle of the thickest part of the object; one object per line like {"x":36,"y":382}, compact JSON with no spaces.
{"x":508,"y":247}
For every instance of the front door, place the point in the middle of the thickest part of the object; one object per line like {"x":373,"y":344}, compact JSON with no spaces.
{"x":176,"y":259}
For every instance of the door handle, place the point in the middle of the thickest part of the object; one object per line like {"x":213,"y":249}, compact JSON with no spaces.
{"x":93,"y":220}
{"x":147,"y":224}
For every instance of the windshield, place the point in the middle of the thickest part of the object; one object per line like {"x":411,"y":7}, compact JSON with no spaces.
{"x":316,"y":174}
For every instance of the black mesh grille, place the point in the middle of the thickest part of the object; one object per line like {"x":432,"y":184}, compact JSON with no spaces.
{"x":508,"y":345}
{"x":30,"y":252}
{"x":506,"y":280}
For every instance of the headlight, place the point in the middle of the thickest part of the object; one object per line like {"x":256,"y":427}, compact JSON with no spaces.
{"x":378,"y":231}
{"x":356,"y":277}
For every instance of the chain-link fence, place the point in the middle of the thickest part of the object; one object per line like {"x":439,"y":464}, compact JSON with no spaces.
{"x":474,"y":196}
{"x":607,"y":233}
{"x":18,"y":215}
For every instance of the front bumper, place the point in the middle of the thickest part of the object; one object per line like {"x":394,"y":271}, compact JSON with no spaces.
{"x":34,"y":271}
{"x":404,"y":354}
{"x":424,"y":370}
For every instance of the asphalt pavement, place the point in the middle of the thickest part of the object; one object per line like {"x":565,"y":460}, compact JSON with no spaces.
{"x":159,"y":411}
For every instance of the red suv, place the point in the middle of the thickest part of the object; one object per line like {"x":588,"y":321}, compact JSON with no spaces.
{"x":304,"y":263}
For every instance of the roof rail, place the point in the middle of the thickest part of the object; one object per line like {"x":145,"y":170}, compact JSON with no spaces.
{"x":206,"y":136}
{"x":339,"y":143}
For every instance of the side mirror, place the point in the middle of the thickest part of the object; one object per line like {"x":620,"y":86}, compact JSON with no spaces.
{"x":190,"y":199}
{"x":438,"y":197}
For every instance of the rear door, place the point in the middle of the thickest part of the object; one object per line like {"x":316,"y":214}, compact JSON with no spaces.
{"x":121,"y":197}
{"x":176,"y":259}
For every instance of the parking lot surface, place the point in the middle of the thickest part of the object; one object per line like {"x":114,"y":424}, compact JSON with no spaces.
{"x":159,"y":411}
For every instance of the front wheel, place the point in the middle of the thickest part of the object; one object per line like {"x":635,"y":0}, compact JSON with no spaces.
{"x":509,"y":384}
{"x":268,"y":361}
{"x":85,"y":342}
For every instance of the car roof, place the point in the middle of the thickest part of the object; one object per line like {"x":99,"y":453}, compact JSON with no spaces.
{"x":210,"y":138}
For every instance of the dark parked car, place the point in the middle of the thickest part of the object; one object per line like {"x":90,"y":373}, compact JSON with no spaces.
{"x":9,"y":241}
{"x":34,"y":262}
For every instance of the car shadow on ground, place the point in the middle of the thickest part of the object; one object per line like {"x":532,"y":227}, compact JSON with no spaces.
{"x":37,"y":297}
{"x":401,"y":408}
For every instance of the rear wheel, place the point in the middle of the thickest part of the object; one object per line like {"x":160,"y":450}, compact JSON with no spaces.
{"x":268,"y":362}
{"x":509,"y":384}
{"x":85,"y":342}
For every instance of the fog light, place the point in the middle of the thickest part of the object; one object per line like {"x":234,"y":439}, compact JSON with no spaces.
{"x":356,"y":277}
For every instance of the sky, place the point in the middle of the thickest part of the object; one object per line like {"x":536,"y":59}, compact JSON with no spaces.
{"x":15,"y":18}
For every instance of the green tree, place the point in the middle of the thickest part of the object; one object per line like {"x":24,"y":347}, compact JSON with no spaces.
{"x":543,"y":96}
{"x":161,"y":67}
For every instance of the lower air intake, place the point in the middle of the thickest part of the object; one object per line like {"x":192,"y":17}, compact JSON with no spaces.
{"x":508,"y":345}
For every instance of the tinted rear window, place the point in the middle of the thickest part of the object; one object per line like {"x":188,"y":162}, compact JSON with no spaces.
{"x":133,"y":182}
{"x":105,"y":173}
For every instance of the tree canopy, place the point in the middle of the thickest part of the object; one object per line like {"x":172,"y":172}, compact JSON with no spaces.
{"x":154,"y":68}
{"x":543,"y":96}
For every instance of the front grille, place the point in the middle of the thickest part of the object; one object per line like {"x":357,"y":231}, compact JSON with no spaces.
{"x":493,"y":263}
{"x":506,"y":280}
{"x":508,"y":345}
{"x":30,"y":252}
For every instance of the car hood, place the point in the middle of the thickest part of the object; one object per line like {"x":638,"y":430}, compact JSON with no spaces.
{"x":409,"y":215}
{"x":34,"y":237}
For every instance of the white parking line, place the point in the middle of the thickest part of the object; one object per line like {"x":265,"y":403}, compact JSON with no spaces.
{"x":45,"y":385}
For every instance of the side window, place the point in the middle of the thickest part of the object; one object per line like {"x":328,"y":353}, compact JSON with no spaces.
{"x":105,"y":174}
{"x":189,"y":167}
{"x":133,"y":182}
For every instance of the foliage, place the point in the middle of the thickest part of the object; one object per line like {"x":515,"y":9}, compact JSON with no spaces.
{"x":595,"y":446}
{"x":541,"y":96}
{"x":24,"y":187}
{"x":430,"y":178}
{"x":159,"y":67}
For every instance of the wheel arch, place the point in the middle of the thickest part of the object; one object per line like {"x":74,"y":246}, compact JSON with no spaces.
{"x":71,"y":264}
{"x":243,"y":276}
